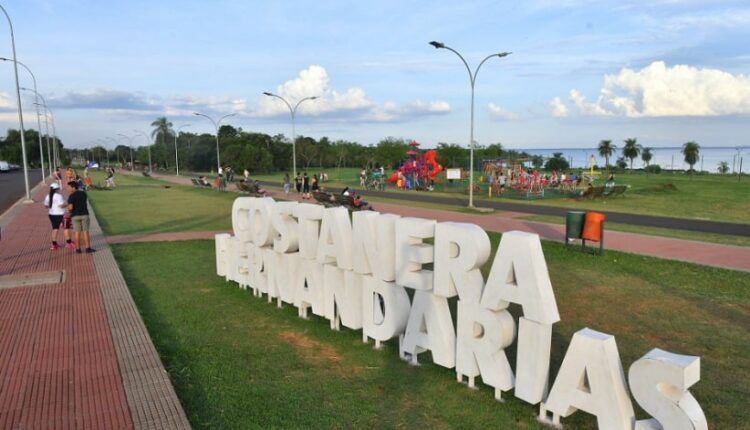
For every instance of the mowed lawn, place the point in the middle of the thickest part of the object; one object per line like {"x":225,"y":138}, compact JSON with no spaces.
{"x":239,"y":362}
{"x":144,"y":205}
{"x":712,"y":197}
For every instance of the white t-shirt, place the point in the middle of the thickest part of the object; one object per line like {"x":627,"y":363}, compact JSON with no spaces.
{"x":57,"y":200}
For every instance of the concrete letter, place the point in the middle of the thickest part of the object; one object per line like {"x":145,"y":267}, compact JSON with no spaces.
{"x":309,"y":217}
{"x":659,"y":381}
{"x":430,"y":328}
{"x":287,"y":237}
{"x":335,"y":242}
{"x":412,"y":252}
{"x":460,"y":251}
{"x":385,"y":309}
{"x":591,"y":379}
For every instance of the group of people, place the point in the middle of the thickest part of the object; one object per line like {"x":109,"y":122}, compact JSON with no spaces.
{"x":85,"y":183}
{"x":66,"y":214}
{"x":304,"y":184}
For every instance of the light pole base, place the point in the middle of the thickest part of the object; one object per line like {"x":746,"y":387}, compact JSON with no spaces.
{"x":27,"y":201}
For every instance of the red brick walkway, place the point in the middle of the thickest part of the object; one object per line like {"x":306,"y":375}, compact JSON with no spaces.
{"x":61,"y":367}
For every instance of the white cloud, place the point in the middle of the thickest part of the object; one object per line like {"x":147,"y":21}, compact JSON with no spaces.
{"x":661,"y":91}
{"x":559,"y":110}
{"x":352,"y":103}
{"x":499,"y":112}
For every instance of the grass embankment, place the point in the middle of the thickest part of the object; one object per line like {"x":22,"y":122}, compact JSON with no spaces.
{"x":237,"y":361}
{"x":712,"y":197}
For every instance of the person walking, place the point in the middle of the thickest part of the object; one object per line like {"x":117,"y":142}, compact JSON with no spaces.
{"x":55,"y":203}
{"x":286,"y":183}
{"x":79,"y":213}
{"x":298,"y":183}
{"x":315,"y":185}
{"x":305,"y":186}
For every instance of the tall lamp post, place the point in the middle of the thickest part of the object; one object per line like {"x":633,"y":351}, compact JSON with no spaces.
{"x":148,"y":146}
{"x":176,"y":160}
{"x":50,"y":160}
{"x":472,"y":81}
{"x":216,"y":126}
{"x":293,"y":112}
{"x":20,"y":113}
{"x":130,"y":145}
{"x":38,"y":120}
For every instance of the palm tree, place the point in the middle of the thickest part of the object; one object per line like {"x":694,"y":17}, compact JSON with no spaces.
{"x":162,"y":125}
{"x":691,"y":150}
{"x":723,"y":167}
{"x":631,"y":150}
{"x":606,"y":149}
{"x":646,"y":156}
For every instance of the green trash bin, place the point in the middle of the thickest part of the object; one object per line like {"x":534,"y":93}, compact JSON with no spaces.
{"x":574,"y":225}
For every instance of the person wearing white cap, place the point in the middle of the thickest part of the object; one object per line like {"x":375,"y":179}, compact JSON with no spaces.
{"x":55,"y":203}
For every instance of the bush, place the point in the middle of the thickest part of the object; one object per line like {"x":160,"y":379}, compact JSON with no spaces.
{"x":654,"y":168}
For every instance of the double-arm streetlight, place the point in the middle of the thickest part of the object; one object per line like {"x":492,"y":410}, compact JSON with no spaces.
{"x":176,"y":160}
{"x":20,"y":113}
{"x":293,"y":112}
{"x":38,"y":120}
{"x":472,"y":81}
{"x":216,"y":126}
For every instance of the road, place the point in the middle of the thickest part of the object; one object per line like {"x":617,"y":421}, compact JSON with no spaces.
{"x":12,"y":187}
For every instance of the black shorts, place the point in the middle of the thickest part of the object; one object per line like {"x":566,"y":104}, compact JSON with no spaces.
{"x":55,"y":220}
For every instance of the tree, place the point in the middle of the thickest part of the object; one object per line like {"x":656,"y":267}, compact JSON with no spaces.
{"x":621,"y":163}
{"x":606,"y":149}
{"x":161,"y":125}
{"x":691,"y":151}
{"x":390,"y":151}
{"x":631,"y":150}
{"x":538,"y":161}
{"x":723,"y":167}
{"x":451,"y":155}
{"x":557,"y":162}
{"x":646,"y":155}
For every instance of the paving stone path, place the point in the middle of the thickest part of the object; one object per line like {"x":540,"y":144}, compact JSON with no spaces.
{"x":74,"y":354}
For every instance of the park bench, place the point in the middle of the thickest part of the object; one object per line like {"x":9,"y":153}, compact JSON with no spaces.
{"x":249,"y":188}
{"x":197,"y":183}
{"x":326,"y":199}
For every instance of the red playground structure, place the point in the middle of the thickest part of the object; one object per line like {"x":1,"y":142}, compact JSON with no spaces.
{"x":418,"y":171}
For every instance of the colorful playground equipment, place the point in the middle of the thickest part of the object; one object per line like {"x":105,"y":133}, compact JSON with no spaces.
{"x":418,"y":171}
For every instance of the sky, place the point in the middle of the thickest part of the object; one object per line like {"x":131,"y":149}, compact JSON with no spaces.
{"x":662,"y":71}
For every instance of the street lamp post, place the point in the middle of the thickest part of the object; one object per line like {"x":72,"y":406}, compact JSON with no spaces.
{"x":293,"y":112}
{"x":176,"y":160}
{"x":130,"y":145}
{"x":148,"y":146}
{"x":50,"y":159}
{"x":20,"y":113}
{"x":216,"y":126}
{"x":472,"y":81}
{"x":114,"y":150}
{"x":38,"y":120}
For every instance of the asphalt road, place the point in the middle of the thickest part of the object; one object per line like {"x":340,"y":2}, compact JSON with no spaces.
{"x":12,"y":186}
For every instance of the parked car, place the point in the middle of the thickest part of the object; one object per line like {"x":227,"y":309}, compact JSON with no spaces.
{"x":4,"y":166}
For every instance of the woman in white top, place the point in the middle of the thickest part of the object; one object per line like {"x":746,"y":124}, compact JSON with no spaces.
{"x":55,"y":202}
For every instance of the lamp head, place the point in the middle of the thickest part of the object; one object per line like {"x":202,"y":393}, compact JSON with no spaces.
{"x":266,"y":93}
{"x":196,"y":113}
{"x":437,"y":44}
{"x":5,"y":59}
{"x":314,"y":98}
{"x":503,"y":54}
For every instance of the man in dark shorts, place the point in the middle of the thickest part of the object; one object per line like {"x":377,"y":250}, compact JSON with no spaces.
{"x":79,"y":214}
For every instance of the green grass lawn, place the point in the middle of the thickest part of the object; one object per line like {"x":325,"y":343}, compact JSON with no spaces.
{"x":713,"y":197}
{"x":143,"y":205}
{"x":238,"y":362}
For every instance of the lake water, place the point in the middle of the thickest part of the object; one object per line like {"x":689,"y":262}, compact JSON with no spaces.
{"x":667,"y":157}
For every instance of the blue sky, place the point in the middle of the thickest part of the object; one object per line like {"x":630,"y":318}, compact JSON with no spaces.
{"x":664,"y":71}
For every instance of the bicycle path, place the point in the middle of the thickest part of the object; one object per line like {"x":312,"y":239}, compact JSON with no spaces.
{"x":705,"y":253}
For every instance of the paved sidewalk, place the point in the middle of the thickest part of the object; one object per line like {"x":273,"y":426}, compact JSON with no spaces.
{"x":74,"y":353}
{"x":705,"y":253}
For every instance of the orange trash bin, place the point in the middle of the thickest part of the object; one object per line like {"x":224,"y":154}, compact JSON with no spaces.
{"x":593,"y":226}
